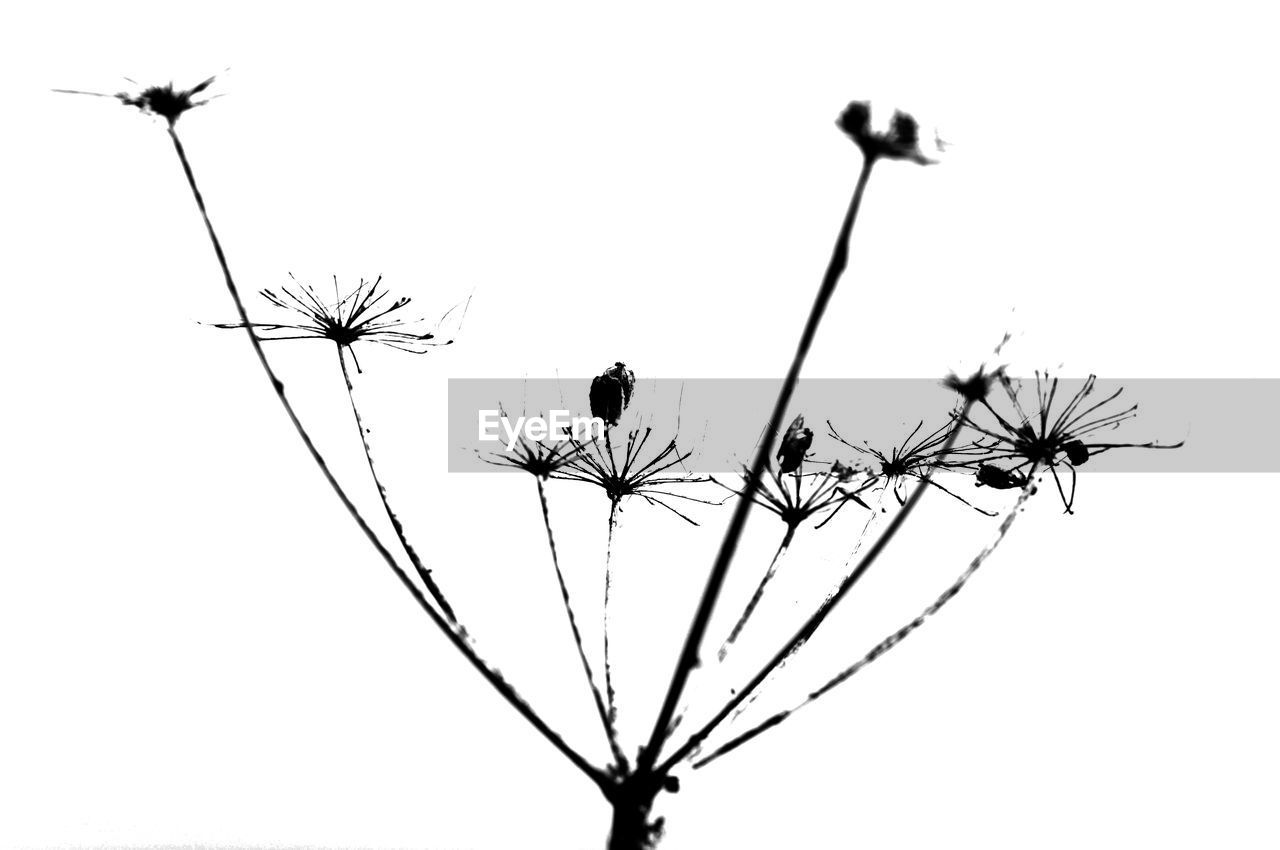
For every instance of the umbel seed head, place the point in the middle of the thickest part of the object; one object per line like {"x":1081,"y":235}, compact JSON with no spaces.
{"x":168,"y":102}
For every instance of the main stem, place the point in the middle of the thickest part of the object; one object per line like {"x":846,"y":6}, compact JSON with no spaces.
{"x":419,"y":567}
{"x":490,"y":675}
{"x":715,"y":581}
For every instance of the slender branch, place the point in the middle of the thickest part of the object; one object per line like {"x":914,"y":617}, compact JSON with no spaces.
{"x":491,"y":675}
{"x":872,"y":515}
{"x":423,"y":572}
{"x":811,"y":625}
{"x":885,"y":645}
{"x":608,"y":584}
{"x":759,"y":594}
{"x":609,"y":729}
{"x":693,"y":643}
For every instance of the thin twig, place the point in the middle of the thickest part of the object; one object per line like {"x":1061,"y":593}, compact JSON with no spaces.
{"x":872,"y":515}
{"x":688,"y":659}
{"x":490,"y":674}
{"x":885,"y":645}
{"x":759,"y":594}
{"x":610,"y":732}
{"x":423,"y":572}
{"x":608,"y":584}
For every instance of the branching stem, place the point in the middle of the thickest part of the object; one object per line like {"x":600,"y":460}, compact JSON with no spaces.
{"x":688,"y":659}
{"x":491,"y":675}
{"x":885,"y":645}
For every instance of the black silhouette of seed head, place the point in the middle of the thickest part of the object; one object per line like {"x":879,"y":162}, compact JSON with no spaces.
{"x":365,"y":314}
{"x":168,"y":102}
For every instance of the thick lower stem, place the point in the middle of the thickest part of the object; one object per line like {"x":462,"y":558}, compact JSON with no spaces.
{"x":631,"y":827}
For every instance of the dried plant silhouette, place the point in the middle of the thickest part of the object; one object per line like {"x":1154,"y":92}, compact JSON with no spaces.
{"x":1042,"y":440}
{"x":1013,"y":452}
{"x":912,"y":460}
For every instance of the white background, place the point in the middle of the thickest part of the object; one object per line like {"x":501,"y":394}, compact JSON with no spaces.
{"x":197,"y":646}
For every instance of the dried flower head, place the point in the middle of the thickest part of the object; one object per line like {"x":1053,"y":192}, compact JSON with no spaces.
{"x":362,"y":315}
{"x":974,"y":388}
{"x":610,"y":393}
{"x":540,"y":459}
{"x":900,"y":141}
{"x":795,"y":443}
{"x":795,"y":496}
{"x":1044,"y":440}
{"x":168,"y":102}
{"x":597,"y":463}
{"x":916,"y":458}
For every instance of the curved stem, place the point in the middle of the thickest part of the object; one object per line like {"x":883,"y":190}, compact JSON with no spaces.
{"x":724,"y":558}
{"x":491,"y":675}
{"x":759,"y":594}
{"x":885,"y":645}
{"x":609,"y":729}
{"x":811,"y":625}
{"x":423,"y":572}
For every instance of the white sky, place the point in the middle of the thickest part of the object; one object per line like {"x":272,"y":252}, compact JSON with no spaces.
{"x":196,"y":645}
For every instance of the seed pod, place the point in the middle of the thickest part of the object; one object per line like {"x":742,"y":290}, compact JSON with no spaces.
{"x":795,"y":443}
{"x":842,"y":472}
{"x":999,"y":479}
{"x":856,"y":120}
{"x":1077,"y":452}
{"x":611,"y":393}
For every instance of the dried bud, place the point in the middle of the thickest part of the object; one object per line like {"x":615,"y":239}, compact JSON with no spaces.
{"x":1000,"y":479}
{"x":795,"y":443}
{"x":611,"y":392}
{"x":1077,"y":452}
{"x":842,"y":473}
{"x":900,"y":141}
{"x":856,"y":120}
